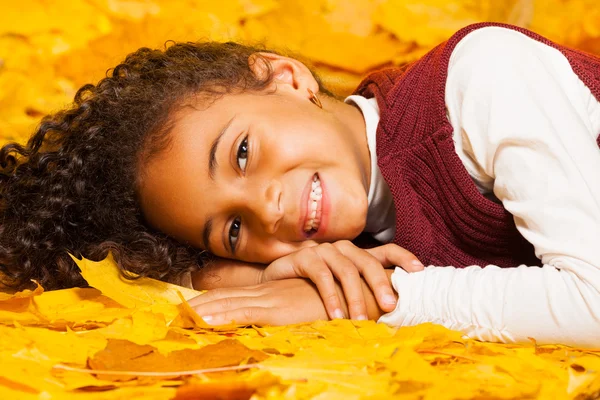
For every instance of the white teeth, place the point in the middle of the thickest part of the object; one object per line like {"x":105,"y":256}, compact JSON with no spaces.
{"x":315,"y":183}
{"x":316,"y":192}
{"x":313,"y":203}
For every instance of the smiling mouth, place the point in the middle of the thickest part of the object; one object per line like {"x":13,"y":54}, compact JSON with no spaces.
{"x":313,"y":216}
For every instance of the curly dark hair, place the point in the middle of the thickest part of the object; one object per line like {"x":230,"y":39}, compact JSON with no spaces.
{"x":72,"y":188}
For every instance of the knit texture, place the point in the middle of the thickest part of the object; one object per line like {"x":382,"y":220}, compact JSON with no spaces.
{"x":440,"y":215}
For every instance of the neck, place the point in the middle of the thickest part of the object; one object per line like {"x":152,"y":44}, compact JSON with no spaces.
{"x":351,"y":116}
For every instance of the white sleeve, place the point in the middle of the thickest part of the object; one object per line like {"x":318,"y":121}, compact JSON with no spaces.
{"x":528,"y":131}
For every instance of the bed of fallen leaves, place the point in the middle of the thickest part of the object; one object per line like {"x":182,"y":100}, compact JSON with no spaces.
{"x":123,"y":340}
{"x":49,"y":48}
{"x":127,"y":339}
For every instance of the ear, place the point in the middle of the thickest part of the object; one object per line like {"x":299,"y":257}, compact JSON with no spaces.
{"x":288,"y":73}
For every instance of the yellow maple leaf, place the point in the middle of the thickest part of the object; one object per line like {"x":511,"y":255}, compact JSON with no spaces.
{"x":429,"y":22}
{"x":144,"y":294}
{"x":22,"y":294}
{"x":106,"y":277}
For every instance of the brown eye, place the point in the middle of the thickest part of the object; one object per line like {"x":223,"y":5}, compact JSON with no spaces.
{"x":242,"y":154}
{"x":234,"y":232}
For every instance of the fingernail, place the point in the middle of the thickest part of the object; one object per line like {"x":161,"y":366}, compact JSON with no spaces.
{"x":417,"y":263}
{"x":338,"y":314}
{"x":389,"y":299}
{"x":362,"y":318}
{"x":214,"y":320}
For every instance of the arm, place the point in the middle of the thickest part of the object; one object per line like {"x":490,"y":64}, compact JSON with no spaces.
{"x":223,"y":272}
{"x":529,"y":133}
{"x":279,"y":302}
{"x":326,"y":264}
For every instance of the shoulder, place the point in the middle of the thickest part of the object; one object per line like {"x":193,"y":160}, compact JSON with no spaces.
{"x":498,"y":54}
{"x":493,"y":44}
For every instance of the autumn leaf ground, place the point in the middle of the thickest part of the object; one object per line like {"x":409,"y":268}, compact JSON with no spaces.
{"x":136,"y":339}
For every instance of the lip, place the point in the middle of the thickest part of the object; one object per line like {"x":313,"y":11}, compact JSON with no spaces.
{"x":304,"y":209}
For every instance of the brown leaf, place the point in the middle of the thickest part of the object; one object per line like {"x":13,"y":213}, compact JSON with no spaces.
{"x":240,"y":387}
{"x":218,"y":390}
{"x":123,"y":355}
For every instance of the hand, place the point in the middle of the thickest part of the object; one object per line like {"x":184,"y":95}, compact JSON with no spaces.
{"x":346,"y":262}
{"x":281,"y":302}
{"x":221,"y":272}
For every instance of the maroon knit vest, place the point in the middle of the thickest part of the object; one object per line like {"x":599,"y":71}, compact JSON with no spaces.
{"x":440,"y":215}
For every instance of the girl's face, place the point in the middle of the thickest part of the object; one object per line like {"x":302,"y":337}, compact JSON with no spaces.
{"x":241,"y":177}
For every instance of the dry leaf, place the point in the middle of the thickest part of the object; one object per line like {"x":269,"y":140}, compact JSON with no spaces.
{"x":123,"y":355}
{"x":105,"y":276}
{"x":429,"y":22}
{"x":22,"y":294}
{"x":189,"y":318}
{"x":228,"y":388}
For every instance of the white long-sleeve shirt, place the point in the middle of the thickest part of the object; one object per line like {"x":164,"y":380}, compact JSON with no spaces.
{"x":525,"y":128}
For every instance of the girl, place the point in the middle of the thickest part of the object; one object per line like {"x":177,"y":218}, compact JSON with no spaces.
{"x":482,"y":154}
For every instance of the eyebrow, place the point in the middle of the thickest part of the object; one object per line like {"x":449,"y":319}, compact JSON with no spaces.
{"x":212,"y":154}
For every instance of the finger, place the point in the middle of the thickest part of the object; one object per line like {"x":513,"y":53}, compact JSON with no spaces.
{"x":221,"y":293}
{"x":312,"y":265}
{"x":282,"y":268}
{"x":227,"y":304}
{"x":374,"y":274}
{"x":246,"y":316}
{"x":392,"y":254}
{"x":347,"y":274}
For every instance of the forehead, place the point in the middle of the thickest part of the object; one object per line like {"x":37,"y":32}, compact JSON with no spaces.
{"x":174,"y":182}
{"x":192,"y":131}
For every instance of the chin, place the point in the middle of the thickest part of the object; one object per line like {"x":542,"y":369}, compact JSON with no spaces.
{"x":352,"y":232}
{"x":351,"y":224}
{"x":358,"y":231}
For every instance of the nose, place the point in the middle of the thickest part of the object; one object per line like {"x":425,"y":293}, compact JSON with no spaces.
{"x":267,"y":205}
